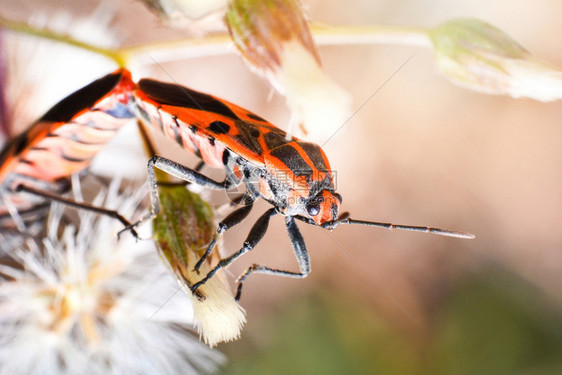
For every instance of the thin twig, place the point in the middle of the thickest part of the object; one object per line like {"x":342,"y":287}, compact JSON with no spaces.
{"x":24,"y":28}
{"x":219,"y":44}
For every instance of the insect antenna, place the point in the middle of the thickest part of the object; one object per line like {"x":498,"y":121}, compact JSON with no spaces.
{"x":345,"y":219}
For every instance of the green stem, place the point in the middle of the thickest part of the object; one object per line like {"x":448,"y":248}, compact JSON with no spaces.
{"x":24,"y":28}
{"x":150,"y":53}
{"x":219,"y":44}
{"x":349,"y":35}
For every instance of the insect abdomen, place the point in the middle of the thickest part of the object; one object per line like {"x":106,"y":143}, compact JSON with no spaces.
{"x":69,"y":135}
{"x":65,"y":139}
{"x":189,"y":136}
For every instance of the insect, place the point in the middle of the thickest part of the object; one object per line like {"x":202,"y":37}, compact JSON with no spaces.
{"x":294,"y":176}
{"x":36,"y":165}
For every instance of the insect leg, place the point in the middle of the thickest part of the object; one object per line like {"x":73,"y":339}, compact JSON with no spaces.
{"x":183,"y":173}
{"x":176,"y":170}
{"x":73,"y":203}
{"x":256,"y":234}
{"x":228,"y":222}
{"x":299,"y":248}
{"x":197,"y":168}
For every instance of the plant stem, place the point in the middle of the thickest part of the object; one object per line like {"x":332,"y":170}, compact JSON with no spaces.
{"x":326,"y":35}
{"x":180,"y":49}
{"x":219,"y":44}
{"x":349,"y":35}
{"x":24,"y":28}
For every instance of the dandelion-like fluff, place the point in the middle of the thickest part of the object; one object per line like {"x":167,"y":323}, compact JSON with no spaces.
{"x":81,"y":301}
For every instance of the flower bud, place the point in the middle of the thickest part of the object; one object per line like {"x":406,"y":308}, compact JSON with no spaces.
{"x":478,"y":56}
{"x":182,"y":230}
{"x":275,"y":40}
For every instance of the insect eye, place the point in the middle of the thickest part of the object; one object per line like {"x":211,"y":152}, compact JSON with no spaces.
{"x":313,"y":209}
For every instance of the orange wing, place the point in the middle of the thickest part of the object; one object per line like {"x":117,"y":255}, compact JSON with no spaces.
{"x":192,"y":117}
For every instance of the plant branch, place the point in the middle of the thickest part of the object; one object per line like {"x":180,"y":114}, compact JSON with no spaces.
{"x":219,"y":44}
{"x":350,"y":35}
{"x":24,"y":28}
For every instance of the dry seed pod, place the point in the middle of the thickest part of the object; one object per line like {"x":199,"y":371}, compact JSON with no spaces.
{"x":274,"y":38}
{"x":478,"y":56}
{"x":182,"y":231}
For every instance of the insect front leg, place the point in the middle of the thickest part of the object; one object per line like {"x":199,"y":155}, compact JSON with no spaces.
{"x":176,"y":170}
{"x":228,"y":222}
{"x":256,"y":234}
{"x":299,"y":248}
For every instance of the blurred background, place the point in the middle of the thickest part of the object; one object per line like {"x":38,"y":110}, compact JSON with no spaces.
{"x":421,"y":151}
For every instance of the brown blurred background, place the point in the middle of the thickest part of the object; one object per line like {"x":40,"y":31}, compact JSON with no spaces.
{"x":421,"y":152}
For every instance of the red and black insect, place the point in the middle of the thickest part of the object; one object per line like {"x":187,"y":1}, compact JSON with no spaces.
{"x":293,"y":175}
{"x":36,"y":165}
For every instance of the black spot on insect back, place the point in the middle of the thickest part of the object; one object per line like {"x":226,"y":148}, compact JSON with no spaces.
{"x":274,"y":139}
{"x":219,"y":127}
{"x":249,"y":135}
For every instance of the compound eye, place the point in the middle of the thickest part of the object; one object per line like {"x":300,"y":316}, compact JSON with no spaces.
{"x":313,"y":209}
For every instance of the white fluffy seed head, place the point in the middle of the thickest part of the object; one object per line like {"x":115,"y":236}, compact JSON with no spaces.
{"x":83,"y":301}
{"x":182,"y":232}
